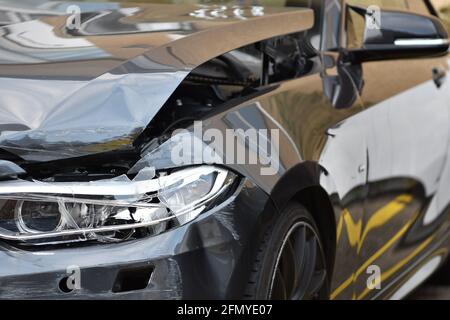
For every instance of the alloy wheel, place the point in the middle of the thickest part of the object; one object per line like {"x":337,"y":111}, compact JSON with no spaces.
{"x":300,"y":270}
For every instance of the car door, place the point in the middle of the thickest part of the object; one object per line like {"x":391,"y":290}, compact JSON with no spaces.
{"x":407,"y":145}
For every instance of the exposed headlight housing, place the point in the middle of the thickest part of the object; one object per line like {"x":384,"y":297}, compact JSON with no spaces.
{"x":108,"y":210}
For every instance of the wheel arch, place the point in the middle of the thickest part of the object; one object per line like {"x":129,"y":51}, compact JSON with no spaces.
{"x":302,"y":185}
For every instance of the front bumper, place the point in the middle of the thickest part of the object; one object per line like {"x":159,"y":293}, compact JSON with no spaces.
{"x":209,"y":258}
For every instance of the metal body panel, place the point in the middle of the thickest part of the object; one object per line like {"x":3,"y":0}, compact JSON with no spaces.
{"x":381,"y":158}
{"x":123,"y":84}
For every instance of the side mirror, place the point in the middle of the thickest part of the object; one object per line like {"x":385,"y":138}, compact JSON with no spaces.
{"x":393,"y":35}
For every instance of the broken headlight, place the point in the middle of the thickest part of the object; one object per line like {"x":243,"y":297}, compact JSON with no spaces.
{"x":108,"y":210}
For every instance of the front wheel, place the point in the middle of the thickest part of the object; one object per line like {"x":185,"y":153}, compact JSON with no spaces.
{"x":290,"y":264}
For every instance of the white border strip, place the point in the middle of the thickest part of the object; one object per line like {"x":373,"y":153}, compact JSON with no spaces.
{"x":421,"y":42}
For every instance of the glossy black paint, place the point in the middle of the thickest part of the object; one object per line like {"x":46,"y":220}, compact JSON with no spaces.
{"x":364,"y":146}
{"x":381,"y":43}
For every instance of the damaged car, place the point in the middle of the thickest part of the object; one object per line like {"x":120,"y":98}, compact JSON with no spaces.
{"x":222,"y":151}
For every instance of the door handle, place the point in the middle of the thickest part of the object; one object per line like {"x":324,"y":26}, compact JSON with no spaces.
{"x":439,"y":75}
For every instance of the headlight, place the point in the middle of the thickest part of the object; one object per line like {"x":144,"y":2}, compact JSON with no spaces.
{"x":108,"y":210}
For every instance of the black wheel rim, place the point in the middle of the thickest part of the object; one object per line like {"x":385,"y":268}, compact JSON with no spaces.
{"x":300,"y":271}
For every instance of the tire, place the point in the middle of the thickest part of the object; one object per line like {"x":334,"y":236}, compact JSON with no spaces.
{"x":290,"y":263}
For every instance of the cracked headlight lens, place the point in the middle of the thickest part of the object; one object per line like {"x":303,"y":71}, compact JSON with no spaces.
{"x":108,"y":210}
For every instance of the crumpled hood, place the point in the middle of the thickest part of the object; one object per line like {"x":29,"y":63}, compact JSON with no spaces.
{"x":69,"y":93}
{"x":49,"y":120}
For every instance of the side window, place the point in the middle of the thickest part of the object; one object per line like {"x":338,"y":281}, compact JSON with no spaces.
{"x":442,"y":8}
